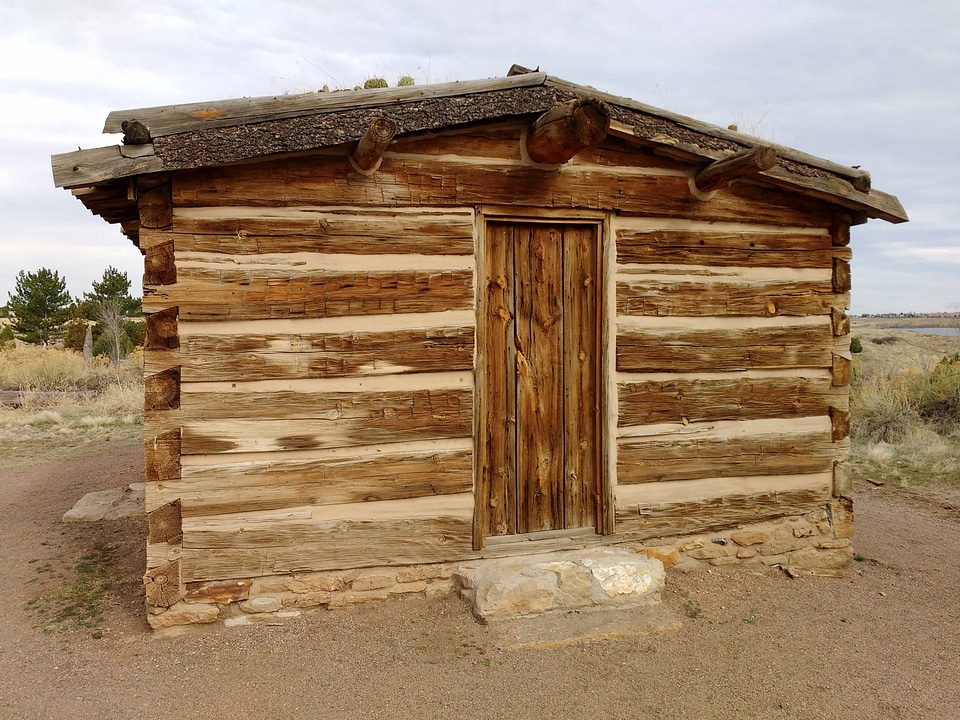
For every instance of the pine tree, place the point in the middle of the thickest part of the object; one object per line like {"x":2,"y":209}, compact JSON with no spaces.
{"x":114,"y":285}
{"x":40,"y":306}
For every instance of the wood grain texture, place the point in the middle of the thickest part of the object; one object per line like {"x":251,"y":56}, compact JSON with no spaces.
{"x":692,"y":457}
{"x":154,"y":202}
{"x":159,"y":265}
{"x":540,"y":411}
{"x":688,"y":350}
{"x":697,"y":400}
{"x":713,"y":298}
{"x":323,"y":231}
{"x":162,"y":455}
{"x":203,"y":294}
{"x":581,"y":367}
{"x":275,"y":484}
{"x":264,"y":422}
{"x":640,"y":522}
{"x":724,"y":249}
{"x":318,"y":355}
{"x":220,"y":554}
{"x":162,"y":390}
{"x":497,"y":474}
{"x":405,"y":181}
{"x":165,"y":523}
{"x":163,"y":330}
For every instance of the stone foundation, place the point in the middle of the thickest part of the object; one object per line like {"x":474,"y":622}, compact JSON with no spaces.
{"x":817,"y":543}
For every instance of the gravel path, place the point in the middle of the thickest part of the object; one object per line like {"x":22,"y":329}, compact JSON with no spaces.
{"x":882,"y":643}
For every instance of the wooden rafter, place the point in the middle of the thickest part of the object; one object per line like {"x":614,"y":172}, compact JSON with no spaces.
{"x":369,"y":151}
{"x":721,"y":173}
{"x":566,"y":129}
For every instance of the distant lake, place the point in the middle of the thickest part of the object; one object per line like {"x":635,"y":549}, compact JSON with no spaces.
{"x":929,"y":331}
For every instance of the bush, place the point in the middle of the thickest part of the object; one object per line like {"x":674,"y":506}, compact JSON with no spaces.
{"x":856,"y":346}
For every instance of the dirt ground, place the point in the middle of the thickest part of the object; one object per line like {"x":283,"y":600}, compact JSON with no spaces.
{"x":882,"y":643}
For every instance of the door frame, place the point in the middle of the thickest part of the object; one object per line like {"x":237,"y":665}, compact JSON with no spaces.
{"x":606,"y":382}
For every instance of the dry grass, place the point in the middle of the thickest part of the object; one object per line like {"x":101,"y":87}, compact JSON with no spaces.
{"x":905,"y":407}
{"x":63,"y":403}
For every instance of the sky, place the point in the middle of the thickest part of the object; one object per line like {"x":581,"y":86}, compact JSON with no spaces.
{"x":872,"y":83}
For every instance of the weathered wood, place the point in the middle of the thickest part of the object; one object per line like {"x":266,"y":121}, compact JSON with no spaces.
{"x":400,"y":182}
{"x":721,"y":173}
{"x":699,"y":400}
{"x":840,"y":421}
{"x":582,"y":503}
{"x":162,"y":390}
{"x":192,"y":117}
{"x":163,"y":330}
{"x":272,"y":356}
{"x":841,"y":276}
{"x":683,"y":350}
{"x":840,"y":232}
{"x":219,"y":554}
{"x":711,"y":514}
{"x":566,"y":129}
{"x":691,"y":457}
{"x":369,"y":150}
{"x":841,"y":370}
{"x":724,"y":249}
{"x":496,"y":503}
{"x":842,"y":480}
{"x":159,"y":265}
{"x":539,"y":341}
{"x":222,"y":593}
{"x":264,"y":422}
{"x":203,"y":294}
{"x":713,"y":297}
{"x":154,"y":202}
{"x":85,"y":167}
{"x":494,"y":140}
{"x":162,"y":585}
{"x":162,"y":456}
{"x":165,"y":524}
{"x":314,"y":230}
{"x":840,"y":322}
{"x":276,"y":484}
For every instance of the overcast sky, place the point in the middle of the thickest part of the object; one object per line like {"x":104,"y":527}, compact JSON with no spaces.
{"x":870,"y":83}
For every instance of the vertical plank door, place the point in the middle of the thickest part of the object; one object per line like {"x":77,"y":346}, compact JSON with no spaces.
{"x":540,"y":425}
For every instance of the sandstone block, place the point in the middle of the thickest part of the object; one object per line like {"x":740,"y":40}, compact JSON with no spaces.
{"x":313,"y":582}
{"x":423,"y":572}
{"x":830,"y":563}
{"x":351,"y":597}
{"x":185,"y":614}
{"x":666,"y":554}
{"x":841,"y":518}
{"x":728,"y":560}
{"x":750,"y":537}
{"x":310,"y":599}
{"x":443,"y":586}
{"x":745,"y":553}
{"x":222,"y":593}
{"x":261,"y":604}
{"x":373,"y":581}
{"x":779,"y":546}
{"x":711,"y":551}
{"x":409,"y":587}
{"x":833,"y":544}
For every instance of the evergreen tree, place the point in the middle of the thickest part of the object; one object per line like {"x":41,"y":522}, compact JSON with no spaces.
{"x":113,"y":286}
{"x":40,"y":306}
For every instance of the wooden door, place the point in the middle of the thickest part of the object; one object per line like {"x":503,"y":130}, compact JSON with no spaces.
{"x":540,"y":445}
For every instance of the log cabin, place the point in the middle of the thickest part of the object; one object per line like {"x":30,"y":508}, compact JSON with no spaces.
{"x":393,"y":330}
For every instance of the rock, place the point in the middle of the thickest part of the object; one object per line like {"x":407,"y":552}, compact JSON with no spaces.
{"x":829,"y":563}
{"x":531,"y":585}
{"x":666,"y":554}
{"x":262,"y":604}
{"x":223,"y":593}
{"x":185,"y":614}
{"x":746,"y":553}
{"x":409,"y":587}
{"x":841,"y":518}
{"x":373,"y":581}
{"x":779,"y":546}
{"x":728,"y":560}
{"x":750,"y":537}
{"x":111,"y":504}
{"x":315,"y":582}
{"x":423,"y":572}
{"x":711,"y":551}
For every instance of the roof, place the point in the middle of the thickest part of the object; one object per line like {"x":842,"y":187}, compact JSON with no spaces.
{"x":183,"y":137}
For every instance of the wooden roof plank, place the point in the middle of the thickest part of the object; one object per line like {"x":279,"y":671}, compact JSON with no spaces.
{"x":175,"y":119}
{"x":87,"y":167}
{"x":708,"y":129}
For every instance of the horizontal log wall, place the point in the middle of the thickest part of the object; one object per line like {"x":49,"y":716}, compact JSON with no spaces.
{"x":731,"y":370}
{"x":320,"y":329}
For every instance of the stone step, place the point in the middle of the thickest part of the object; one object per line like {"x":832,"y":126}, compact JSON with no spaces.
{"x":531,"y":585}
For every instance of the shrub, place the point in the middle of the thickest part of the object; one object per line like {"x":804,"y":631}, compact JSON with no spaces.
{"x":856,"y":346}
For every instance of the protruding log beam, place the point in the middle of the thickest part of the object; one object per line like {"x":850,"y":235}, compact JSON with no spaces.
{"x":566,"y":129}
{"x":155,"y":204}
{"x":841,"y":276}
{"x":162,"y":457}
{"x":159,"y":265}
{"x":721,"y":173}
{"x":840,"y":322}
{"x":163,"y":330}
{"x":370,"y":149}
{"x":842,"y":371}
{"x":840,"y":424}
{"x":162,"y":585}
{"x":162,"y":390}
{"x":165,"y":523}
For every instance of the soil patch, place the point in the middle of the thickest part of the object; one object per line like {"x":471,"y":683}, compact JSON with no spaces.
{"x":880,"y":643}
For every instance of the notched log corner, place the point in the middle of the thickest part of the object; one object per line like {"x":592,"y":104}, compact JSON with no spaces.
{"x":162,"y":390}
{"x":166,"y":524}
{"x":162,"y":585}
{"x":163,"y":330}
